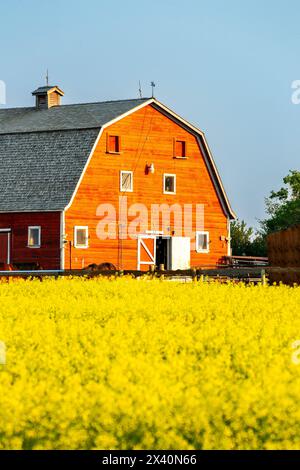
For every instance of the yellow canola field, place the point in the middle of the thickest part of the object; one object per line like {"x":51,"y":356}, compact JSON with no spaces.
{"x":137,"y":364}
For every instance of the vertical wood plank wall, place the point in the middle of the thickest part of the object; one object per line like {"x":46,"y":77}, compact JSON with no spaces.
{"x":284,"y":252}
{"x":284,"y":248}
{"x":146,"y":136}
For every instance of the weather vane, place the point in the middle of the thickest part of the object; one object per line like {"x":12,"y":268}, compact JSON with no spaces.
{"x":47,"y":78}
{"x":153,"y":86}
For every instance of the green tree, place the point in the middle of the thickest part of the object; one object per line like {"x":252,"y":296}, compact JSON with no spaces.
{"x":283,"y":206}
{"x":258,"y":246}
{"x":240,"y":237}
{"x":283,"y":210}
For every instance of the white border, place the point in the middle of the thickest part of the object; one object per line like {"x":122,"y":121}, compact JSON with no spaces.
{"x":201,"y":232}
{"x":31,"y":227}
{"x":131,"y":186}
{"x":81,"y":227}
{"x":164,"y":178}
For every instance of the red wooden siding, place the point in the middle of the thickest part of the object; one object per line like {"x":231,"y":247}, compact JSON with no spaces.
{"x":4,"y":243}
{"x":48,"y":255}
{"x":147,"y":137}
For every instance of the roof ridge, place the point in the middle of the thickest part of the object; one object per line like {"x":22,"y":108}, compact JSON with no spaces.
{"x":80,"y":104}
{"x":105,"y":102}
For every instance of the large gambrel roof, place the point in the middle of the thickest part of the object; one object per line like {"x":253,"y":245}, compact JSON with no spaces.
{"x":44,"y":152}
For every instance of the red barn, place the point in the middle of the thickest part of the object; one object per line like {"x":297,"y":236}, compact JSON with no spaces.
{"x":126,"y":182}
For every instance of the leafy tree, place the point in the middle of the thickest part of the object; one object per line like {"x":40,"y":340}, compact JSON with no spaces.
{"x":240,"y":237}
{"x":258,"y":246}
{"x":246,"y":242}
{"x":283,"y":206}
{"x":283,"y":210}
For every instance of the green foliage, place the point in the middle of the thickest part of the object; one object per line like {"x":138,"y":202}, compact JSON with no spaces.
{"x":244,"y":242}
{"x":283,"y":206}
{"x":283,"y":210}
{"x":240,"y":237}
{"x":258,"y":246}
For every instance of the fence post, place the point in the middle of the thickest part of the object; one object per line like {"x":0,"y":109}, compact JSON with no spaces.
{"x":263,"y":277}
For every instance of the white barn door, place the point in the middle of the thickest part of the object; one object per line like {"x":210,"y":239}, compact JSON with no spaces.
{"x":180,"y":253}
{"x":146,"y":255}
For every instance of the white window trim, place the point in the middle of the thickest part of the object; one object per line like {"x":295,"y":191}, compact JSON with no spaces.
{"x":164,"y":179}
{"x":199,"y":250}
{"x":31,"y":227}
{"x":131,"y":188}
{"x":81,"y":227}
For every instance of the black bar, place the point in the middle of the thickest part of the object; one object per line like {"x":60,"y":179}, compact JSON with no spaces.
{"x":151,"y":458}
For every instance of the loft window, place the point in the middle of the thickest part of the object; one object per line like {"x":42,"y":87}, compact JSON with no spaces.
{"x":81,"y":237}
{"x":202,"y":242}
{"x":169,"y":183}
{"x":126,"y":181}
{"x":34,"y":237}
{"x":113,"y":143}
{"x":180,"y":149}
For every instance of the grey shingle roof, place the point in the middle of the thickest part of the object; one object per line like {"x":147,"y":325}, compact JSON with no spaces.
{"x":39,"y":171}
{"x":43,"y":152}
{"x":65,"y":117}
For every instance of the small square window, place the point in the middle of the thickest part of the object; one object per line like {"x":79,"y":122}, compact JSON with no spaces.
{"x":34,"y":237}
{"x":180,"y":149}
{"x":81,"y":237}
{"x":202,"y":242}
{"x":169,"y":184}
{"x":126,"y":181}
{"x":113,"y":144}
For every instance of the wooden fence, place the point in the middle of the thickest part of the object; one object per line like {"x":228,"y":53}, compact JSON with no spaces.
{"x":284,"y":256}
{"x":222,"y":274}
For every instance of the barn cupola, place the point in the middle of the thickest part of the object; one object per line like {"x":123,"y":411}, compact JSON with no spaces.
{"x":47,"y":96}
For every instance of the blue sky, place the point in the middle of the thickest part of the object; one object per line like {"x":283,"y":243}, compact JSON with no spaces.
{"x":227,"y":67}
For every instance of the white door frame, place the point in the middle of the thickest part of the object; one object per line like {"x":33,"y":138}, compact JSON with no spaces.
{"x":141,"y":243}
{"x":8,"y":231}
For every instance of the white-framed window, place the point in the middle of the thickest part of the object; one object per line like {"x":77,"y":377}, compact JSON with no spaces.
{"x":34,"y":236}
{"x":126,"y":181}
{"x":202,"y":242}
{"x":81,"y":236}
{"x":169,"y":183}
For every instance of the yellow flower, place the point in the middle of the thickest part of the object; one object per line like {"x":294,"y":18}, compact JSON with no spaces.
{"x":126,"y":364}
